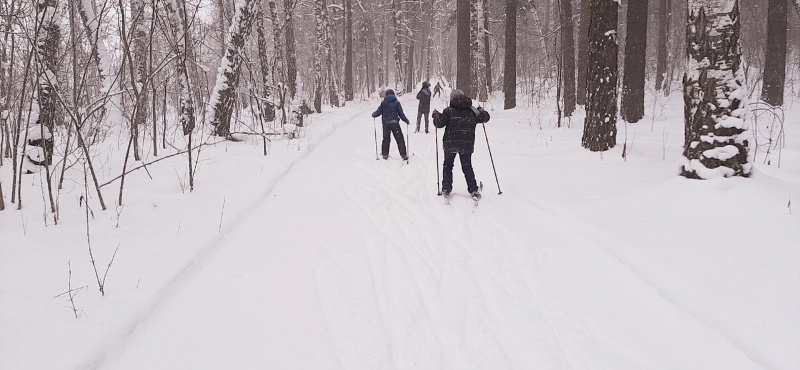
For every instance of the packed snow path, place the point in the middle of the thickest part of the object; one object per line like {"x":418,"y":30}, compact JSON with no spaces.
{"x":355,"y":263}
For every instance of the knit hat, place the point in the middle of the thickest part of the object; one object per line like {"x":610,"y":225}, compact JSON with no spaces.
{"x":425,"y":84}
{"x":456,"y":93}
{"x":389,"y":92}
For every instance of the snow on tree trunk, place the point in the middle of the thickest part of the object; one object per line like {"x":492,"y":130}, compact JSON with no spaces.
{"x":291,"y":56}
{"x":40,"y":136}
{"x":220,"y":104}
{"x":583,"y":51}
{"x":635,"y":48}
{"x":267,"y":80}
{"x":664,"y":10}
{"x":600,"y":127}
{"x":568,"y":57}
{"x":279,"y":68}
{"x":478,"y":80}
{"x":176,"y":15}
{"x":102,"y":59}
{"x":319,"y":6}
{"x":715,"y":107}
{"x":510,"y":63}
{"x":487,"y":56}
{"x":775,"y":61}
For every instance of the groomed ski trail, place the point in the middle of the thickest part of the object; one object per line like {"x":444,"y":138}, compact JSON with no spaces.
{"x":348,"y":262}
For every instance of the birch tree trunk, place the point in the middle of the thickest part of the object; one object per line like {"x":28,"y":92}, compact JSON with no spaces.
{"x":91,"y":19}
{"x":141,"y":29}
{"x":319,"y":6}
{"x":568,"y":57}
{"x":348,"y":59}
{"x":397,"y":20}
{"x":331,"y":77}
{"x":223,"y":95}
{"x":44,"y":105}
{"x":267,"y":79}
{"x":715,"y":106}
{"x":600,"y":127}
{"x":478,"y":79}
{"x":176,"y":15}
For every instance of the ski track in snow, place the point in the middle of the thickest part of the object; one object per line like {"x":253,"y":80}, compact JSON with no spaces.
{"x":436,"y":297}
{"x":115,"y":343}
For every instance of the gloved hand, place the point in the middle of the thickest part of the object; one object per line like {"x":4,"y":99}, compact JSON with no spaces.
{"x":435,"y":113}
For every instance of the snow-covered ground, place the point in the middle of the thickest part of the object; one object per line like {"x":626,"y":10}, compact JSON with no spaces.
{"x":320,"y":256}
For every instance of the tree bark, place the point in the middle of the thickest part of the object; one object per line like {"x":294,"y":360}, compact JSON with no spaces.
{"x":775,"y":61}
{"x":583,"y":51}
{"x":600,"y":127}
{"x":715,"y":107}
{"x":176,"y":14}
{"x":319,"y":46}
{"x":510,"y":62}
{"x":568,"y":57}
{"x":291,"y":55}
{"x":223,"y":96}
{"x":664,"y":10}
{"x":397,"y":14}
{"x":348,"y":59}
{"x":635,"y":49}
{"x":267,"y":78}
{"x":463,"y":51}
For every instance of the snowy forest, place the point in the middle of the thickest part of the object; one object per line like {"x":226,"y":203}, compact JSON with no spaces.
{"x":196,"y":184}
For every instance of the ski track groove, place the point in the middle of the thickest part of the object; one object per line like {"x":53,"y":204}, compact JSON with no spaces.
{"x":114,"y":344}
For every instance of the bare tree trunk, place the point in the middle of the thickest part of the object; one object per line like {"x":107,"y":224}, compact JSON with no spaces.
{"x":397,"y":20}
{"x":510,"y":65}
{"x":775,"y":62}
{"x":140,"y":43}
{"x":331,"y":77}
{"x":267,"y":108}
{"x":463,"y":47}
{"x":583,"y":51}
{"x":348,"y":59}
{"x":568,"y":57}
{"x":223,"y":96}
{"x":717,"y":132}
{"x":661,"y":53}
{"x":600,"y":128}
{"x":478,"y":85}
{"x":176,"y":14}
{"x":635,"y":49}
{"x":319,"y":6}
{"x":47,"y":62}
{"x":487,"y":56}
{"x":291,"y":56}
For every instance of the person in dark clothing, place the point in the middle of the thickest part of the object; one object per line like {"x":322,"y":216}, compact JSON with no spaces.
{"x":437,"y":90}
{"x":391,"y":113}
{"x":424,"y":97}
{"x":459,"y":121}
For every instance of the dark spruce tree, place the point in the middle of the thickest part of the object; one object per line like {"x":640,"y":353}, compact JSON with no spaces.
{"x":716,"y":129}
{"x":635,"y":48}
{"x":775,"y":62}
{"x":600,"y":126}
{"x":510,"y":68}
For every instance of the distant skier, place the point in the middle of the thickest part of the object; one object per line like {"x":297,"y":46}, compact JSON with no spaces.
{"x":424,"y":97}
{"x":437,"y":90}
{"x":392,"y":112}
{"x":459,"y":121}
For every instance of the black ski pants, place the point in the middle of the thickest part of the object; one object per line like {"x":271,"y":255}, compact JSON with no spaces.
{"x":466,"y":166}
{"x":389,"y":129}
{"x":419,"y":120}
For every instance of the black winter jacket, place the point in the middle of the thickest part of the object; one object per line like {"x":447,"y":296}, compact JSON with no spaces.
{"x":390,"y":110}
{"x":424,"y":97}
{"x":459,"y":121}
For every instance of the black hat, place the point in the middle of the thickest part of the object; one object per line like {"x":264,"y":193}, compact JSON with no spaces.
{"x":425,"y":84}
{"x":389,"y":92}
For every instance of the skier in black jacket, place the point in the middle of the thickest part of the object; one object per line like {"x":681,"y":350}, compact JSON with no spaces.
{"x":424,"y":97}
{"x":392,"y":112}
{"x":459,"y":121}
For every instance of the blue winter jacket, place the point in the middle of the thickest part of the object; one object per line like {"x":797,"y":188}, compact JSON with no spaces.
{"x":391,"y":111}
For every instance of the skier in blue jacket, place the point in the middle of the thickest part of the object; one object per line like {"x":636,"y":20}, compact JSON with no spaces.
{"x":392,"y":112}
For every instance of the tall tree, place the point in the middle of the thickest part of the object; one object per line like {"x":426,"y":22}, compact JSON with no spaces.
{"x":583,"y":50}
{"x":291,"y":55}
{"x":99,"y":54}
{"x":510,"y":62}
{"x":267,"y":80}
{"x":463,"y":52}
{"x":330,"y":76}
{"x":487,"y":56}
{"x":220,"y":104}
{"x":716,"y":141}
{"x":664,"y":15}
{"x":600,"y":127}
{"x":319,"y":53}
{"x":45,"y":100}
{"x":176,"y":16}
{"x":348,"y":59}
{"x":635,"y":48}
{"x":141,"y":40}
{"x":478,"y":86}
{"x":775,"y":61}
{"x":568,"y":57}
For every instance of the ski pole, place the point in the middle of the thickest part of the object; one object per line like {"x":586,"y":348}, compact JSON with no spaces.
{"x":375,"y":128}
{"x":408,"y":142}
{"x":492,"y":159}
{"x":438,"y":187}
